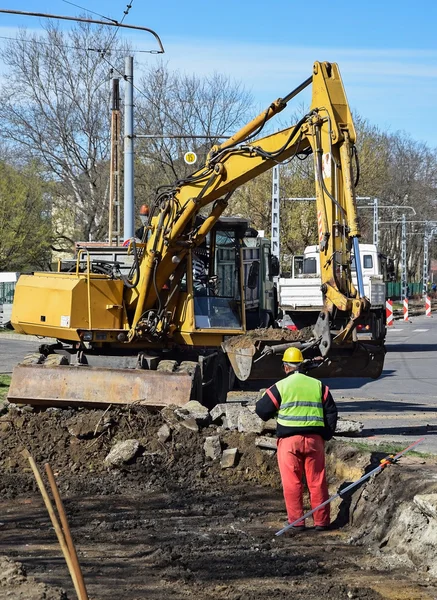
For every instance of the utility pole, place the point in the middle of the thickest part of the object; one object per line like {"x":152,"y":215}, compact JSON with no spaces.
{"x":425,"y":263}
{"x":114,"y":181}
{"x":404,"y":258}
{"x":128,"y":231}
{"x":275,"y":233}
{"x":375,"y":223}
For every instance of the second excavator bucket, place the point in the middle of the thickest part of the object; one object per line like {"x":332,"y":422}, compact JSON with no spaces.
{"x":45,"y":385}
{"x":261,"y":358}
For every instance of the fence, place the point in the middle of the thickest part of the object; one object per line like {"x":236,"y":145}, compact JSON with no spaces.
{"x":393,"y":289}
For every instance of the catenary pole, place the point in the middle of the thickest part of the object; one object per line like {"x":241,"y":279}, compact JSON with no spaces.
{"x":128,"y":221}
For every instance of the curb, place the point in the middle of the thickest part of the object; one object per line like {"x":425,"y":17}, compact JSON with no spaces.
{"x":25,"y":338}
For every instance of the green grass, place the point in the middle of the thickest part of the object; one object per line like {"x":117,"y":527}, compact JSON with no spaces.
{"x":5,"y":381}
{"x":385,"y":448}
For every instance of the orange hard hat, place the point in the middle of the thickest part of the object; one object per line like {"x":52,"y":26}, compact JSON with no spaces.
{"x":144,"y":210}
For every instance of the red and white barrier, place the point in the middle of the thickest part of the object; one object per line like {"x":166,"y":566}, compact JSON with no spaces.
{"x":389,"y":313}
{"x":428,"y":306}
{"x":405,"y":309}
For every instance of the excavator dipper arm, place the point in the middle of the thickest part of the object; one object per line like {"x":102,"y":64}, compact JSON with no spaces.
{"x":327,"y":132}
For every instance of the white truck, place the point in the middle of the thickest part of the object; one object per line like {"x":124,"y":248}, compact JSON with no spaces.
{"x":301,"y":298}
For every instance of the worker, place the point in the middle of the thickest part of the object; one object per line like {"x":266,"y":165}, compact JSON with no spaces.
{"x":144,"y":218}
{"x":200,"y":269}
{"x":306,"y":416}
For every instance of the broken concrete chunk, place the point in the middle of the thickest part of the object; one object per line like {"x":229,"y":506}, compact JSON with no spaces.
{"x":212,"y":447}
{"x":122,"y":453}
{"x":232,"y":412}
{"x":229,"y":458}
{"x":348,"y":427}
{"x":249,"y":422}
{"x":190,"y":423}
{"x":164,"y":433}
{"x":266,"y":442}
{"x":195,"y":410}
{"x":427,"y":504}
{"x":270,"y":425}
{"x":217,"y":412}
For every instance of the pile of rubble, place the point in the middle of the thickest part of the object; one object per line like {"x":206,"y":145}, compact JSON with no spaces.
{"x":150,"y":449}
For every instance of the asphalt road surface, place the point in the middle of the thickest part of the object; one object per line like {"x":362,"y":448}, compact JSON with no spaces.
{"x":400,"y":406}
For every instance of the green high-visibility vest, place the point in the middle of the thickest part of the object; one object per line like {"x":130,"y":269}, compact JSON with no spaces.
{"x":301,"y":402}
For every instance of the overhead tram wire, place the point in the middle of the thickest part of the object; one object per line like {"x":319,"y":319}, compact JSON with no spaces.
{"x":126,"y":12}
{"x":88,"y":10}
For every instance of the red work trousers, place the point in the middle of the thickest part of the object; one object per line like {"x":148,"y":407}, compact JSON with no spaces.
{"x":300,"y":454}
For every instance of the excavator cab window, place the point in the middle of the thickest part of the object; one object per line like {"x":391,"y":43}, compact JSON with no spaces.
{"x":217,"y":299}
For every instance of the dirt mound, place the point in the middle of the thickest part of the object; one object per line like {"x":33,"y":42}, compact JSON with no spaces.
{"x":18,"y":586}
{"x":77,"y":442}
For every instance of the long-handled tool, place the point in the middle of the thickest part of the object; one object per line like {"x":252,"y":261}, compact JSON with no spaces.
{"x":388,"y":460}
{"x":62,"y":533}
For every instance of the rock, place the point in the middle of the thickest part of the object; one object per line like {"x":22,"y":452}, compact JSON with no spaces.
{"x":427,"y":503}
{"x":195,"y":410}
{"x":229,"y":458}
{"x":164,"y":433}
{"x":217,"y":412}
{"x":169,"y":416}
{"x":270,"y":425}
{"x":249,"y":422}
{"x":190,"y":424}
{"x":87,"y":424}
{"x":348,"y":427}
{"x":212,"y":447}
{"x":122,"y":453}
{"x":268,"y":452}
{"x":266,"y":442}
{"x":232,"y":413}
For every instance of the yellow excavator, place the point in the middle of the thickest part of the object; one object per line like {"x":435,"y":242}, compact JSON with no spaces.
{"x":175,"y":327}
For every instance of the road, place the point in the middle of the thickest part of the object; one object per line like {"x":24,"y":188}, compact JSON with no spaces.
{"x":400,"y":406}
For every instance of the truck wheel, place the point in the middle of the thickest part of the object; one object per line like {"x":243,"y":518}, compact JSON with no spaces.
{"x":167,"y":366}
{"x":33,"y":359}
{"x":56,"y":359}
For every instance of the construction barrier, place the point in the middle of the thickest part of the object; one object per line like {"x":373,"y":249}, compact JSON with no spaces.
{"x":428,"y":306}
{"x":405,"y":309}
{"x":389,"y":313}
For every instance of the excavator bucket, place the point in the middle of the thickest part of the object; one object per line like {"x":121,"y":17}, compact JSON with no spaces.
{"x":45,"y":385}
{"x":262,"y":358}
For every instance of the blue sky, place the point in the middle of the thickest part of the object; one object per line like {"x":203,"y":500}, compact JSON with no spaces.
{"x":386,"y":50}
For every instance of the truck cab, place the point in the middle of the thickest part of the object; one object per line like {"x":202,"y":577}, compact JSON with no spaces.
{"x":301,"y":297}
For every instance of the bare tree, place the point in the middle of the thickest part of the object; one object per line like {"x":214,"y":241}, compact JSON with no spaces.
{"x":55,"y":109}
{"x":176,"y":104}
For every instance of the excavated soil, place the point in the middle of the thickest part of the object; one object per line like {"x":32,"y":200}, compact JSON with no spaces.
{"x":269,"y":335}
{"x":172,"y":523}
